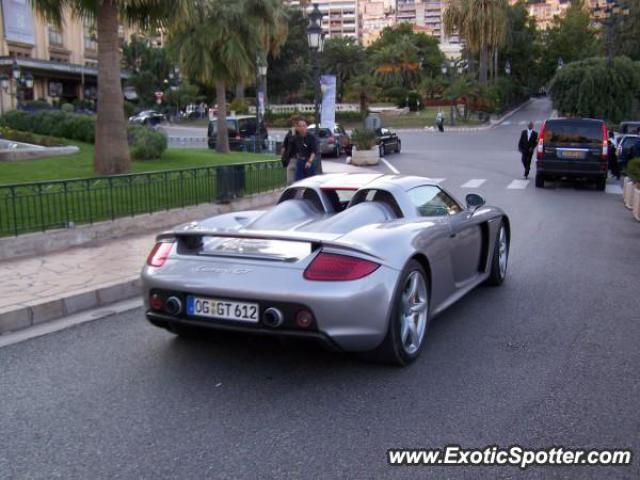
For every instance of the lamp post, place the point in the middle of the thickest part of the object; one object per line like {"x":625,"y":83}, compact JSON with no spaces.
{"x":172,"y":84}
{"x":4,"y":84}
{"x":560,"y":63}
{"x":315,"y":37}
{"x":23,"y":81}
{"x":447,"y":70}
{"x":261,"y":73}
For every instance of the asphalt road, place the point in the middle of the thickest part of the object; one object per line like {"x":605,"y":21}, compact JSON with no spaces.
{"x":550,"y":358}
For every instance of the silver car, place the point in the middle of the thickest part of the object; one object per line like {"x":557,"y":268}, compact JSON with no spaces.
{"x":358,"y":262}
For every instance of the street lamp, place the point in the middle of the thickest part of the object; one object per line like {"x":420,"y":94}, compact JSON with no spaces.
{"x":315,"y":37}
{"x":23,"y":81}
{"x":261,"y":73}
{"x":446,"y":68}
{"x":507,"y":68}
{"x":560,"y":63}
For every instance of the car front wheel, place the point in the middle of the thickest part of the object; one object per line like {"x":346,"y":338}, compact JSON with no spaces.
{"x":409,"y":319}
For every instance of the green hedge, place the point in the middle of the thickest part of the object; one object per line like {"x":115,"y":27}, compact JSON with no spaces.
{"x":145,"y":144}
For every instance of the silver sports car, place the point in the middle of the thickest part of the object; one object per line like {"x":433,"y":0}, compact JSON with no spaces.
{"x":358,"y":262}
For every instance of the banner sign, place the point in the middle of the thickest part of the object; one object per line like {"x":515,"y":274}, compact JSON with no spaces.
{"x":261,"y":103}
{"x":18,"y":21}
{"x":328,"y":112}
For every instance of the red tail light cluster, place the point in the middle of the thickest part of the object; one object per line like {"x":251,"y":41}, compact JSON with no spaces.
{"x":605,"y":141}
{"x":332,"y":140}
{"x":330,"y":267}
{"x":540,"y":150}
{"x":159,"y":253}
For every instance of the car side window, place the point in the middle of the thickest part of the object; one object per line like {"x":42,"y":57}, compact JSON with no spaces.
{"x":431,"y":201}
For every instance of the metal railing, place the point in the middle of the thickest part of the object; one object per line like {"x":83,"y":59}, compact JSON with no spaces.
{"x":41,"y":206}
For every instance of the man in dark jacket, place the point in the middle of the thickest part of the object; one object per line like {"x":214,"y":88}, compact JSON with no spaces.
{"x":526,"y":147}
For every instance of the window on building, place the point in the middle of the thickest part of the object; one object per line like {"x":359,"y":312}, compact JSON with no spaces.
{"x":55,"y":36}
{"x":90,"y":38}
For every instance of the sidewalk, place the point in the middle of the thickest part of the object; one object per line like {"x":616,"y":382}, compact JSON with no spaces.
{"x":37,"y":290}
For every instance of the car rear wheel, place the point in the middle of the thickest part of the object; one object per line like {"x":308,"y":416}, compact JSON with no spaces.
{"x":398,"y":146}
{"x":409,"y":319}
{"x":382,"y":152}
{"x":539,"y":180}
{"x":602,"y":184}
{"x":500,"y":258}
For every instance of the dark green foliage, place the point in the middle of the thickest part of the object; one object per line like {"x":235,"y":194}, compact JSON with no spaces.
{"x":363,"y":139}
{"x":593,"y":88}
{"x":146,"y":144}
{"x":633,"y":170}
{"x":28,"y":137}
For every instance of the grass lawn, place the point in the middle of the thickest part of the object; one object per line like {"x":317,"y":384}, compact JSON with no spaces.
{"x":89,"y":199}
{"x":80,"y":165}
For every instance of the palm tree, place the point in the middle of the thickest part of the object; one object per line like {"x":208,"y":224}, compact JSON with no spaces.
{"x":111,"y":149}
{"x":397,"y":64}
{"x":481,"y":23}
{"x":218,"y":46}
{"x":364,"y":89}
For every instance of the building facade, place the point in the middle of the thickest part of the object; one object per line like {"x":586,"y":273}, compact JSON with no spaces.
{"x":51,"y":63}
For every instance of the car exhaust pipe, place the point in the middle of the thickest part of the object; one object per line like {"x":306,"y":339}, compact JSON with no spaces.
{"x":173,"y":306}
{"x":272,"y":317}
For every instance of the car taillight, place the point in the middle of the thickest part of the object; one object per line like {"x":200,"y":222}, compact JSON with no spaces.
{"x":334,"y":268}
{"x":159,"y":253}
{"x":332,"y":140}
{"x":605,"y":141}
{"x":540,"y":149}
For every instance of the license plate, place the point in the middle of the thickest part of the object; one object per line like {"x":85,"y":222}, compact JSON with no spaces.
{"x":572,"y":154}
{"x":222,"y":309}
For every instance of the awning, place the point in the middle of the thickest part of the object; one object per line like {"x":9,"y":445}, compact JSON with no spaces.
{"x":45,"y":66}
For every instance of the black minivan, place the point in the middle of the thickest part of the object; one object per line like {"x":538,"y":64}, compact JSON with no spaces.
{"x":242,"y":133}
{"x":572,"y":148}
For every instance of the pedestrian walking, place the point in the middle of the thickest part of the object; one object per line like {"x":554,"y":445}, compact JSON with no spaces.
{"x":440,"y":120}
{"x":612,"y":156}
{"x":288,"y":152}
{"x":526,"y":147}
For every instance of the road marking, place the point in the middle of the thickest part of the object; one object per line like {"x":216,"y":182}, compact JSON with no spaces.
{"x":474,"y":183}
{"x":518,"y":185}
{"x":391,"y":167}
{"x":508,"y":122}
{"x":522,"y":122}
{"x":613,"y":188}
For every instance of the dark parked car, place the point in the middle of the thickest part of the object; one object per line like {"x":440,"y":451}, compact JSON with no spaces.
{"x":572,"y":148}
{"x":628,"y":148}
{"x":388,"y":141}
{"x":148,"y":118}
{"x":630,"y":127}
{"x":242,"y":133}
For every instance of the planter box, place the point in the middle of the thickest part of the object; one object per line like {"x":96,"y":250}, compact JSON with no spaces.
{"x":627,"y":192}
{"x":636,"y":201}
{"x":363,"y":158}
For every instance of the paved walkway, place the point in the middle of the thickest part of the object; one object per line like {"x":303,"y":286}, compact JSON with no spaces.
{"x":30,"y":281}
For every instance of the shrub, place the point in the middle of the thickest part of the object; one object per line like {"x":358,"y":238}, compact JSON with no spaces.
{"x":28,"y":137}
{"x":145,"y":143}
{"x":129,"y":109}
{"x":55,"y":123}
{"x":633,"y":170}
{"x":67,"y":108}
{"x":239,"y":105}
{"x":364,"y":139}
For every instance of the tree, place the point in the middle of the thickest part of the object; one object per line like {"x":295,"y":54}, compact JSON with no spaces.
{"x":572,"y":38}
{"x":431,"y":86}
{"x":521,"y":47}
{"x":218,"y":46}
{"x":111,"y":150}
{"x":626,"y":25}
{"x":362,"y":88}
{"x":345,"y":58}
{"x":149,"y":67}
{"x":593,"y":88}
{"x":401,"y":56}
{"x":481,"y":23}
{"x":291,"y":67}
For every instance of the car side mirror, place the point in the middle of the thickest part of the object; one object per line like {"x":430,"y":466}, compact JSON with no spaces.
{"x":474,"y":201}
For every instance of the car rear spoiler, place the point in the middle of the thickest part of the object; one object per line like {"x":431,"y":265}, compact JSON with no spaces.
{"x":267,"y":235}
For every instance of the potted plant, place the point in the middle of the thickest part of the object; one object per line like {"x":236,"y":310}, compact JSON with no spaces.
{"x":365,"y":148}
{"x":633,"y":170}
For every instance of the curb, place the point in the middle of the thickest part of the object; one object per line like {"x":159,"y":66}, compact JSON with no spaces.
{"x":498,"y":121}
{"x":38,"y":312}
